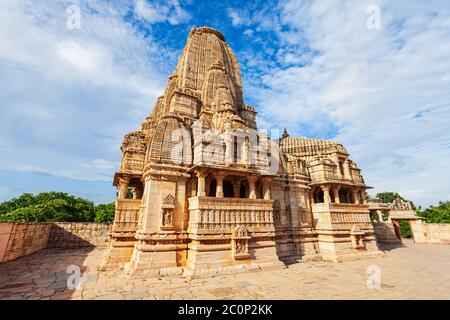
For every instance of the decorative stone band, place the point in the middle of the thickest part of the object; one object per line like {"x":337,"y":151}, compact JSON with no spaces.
{"x":209,"y":215}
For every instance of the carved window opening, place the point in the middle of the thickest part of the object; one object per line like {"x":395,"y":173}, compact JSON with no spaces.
{"x":332,"y":195}
{"x":228,"y":190}
{"x":341,"y":168}
{"x":243,"y":191}
{"x":212,"y":188}
{"x":345,"y":196}
{"x":318,"y":196}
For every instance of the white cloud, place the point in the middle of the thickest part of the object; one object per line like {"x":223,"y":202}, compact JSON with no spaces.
{"x":68,"y":96}
{"x":236,"y":18}
{"x":383,"y":92}
{"x":161,"y":11}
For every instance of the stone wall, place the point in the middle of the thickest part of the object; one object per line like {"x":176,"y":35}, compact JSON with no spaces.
{"x":21,"y":239}
{"x":431,"y":233}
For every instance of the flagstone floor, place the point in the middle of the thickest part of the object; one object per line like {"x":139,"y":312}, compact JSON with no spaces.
{"x":415,"y":271}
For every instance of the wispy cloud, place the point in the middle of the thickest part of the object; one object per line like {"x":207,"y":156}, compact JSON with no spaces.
{"x":160,"y":11}
{"x":366,"y":87}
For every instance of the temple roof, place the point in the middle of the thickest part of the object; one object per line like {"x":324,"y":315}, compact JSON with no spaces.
{"x":306,"y":147}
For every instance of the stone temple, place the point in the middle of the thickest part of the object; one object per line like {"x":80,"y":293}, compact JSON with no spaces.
{"x":211,"y":194}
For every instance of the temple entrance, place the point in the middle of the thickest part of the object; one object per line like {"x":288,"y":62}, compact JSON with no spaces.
{"x":228,"y":190}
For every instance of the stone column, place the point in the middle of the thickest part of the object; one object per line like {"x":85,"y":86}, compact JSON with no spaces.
{"x":219,"y":185}
{"x":363,"y":196}
{"x":326,"y":194}
{"x":123,"y":187}
{"x":236,"y":188}
{"x":354,"y":196}
{"x":201,"y":184}
{"x":380,"y":215}
{"x":266,"y":188}
{"x":336,"y":194}
{"x":251,"y":183}
{"x":193,"y":188}
{"x":137,"y":194}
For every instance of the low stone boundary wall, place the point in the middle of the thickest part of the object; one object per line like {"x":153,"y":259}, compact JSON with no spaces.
{"x":78,"y":234}
{"x":21,"y":239}
{"x":431,"y":232}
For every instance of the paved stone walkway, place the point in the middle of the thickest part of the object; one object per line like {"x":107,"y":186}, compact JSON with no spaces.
{"x":416,"y":271}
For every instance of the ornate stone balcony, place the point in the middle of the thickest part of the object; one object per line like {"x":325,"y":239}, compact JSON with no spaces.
{"x":210,"y":215}
{"x":341,"y":215}
{"x":126,"y":217}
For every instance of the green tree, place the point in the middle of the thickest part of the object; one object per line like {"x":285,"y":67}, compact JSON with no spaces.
{"x":388,"y":197}
{"x":436,"y":214}
{"x":405,"y":229}
{"x":105,"y":212}
{"x":46,"y":207}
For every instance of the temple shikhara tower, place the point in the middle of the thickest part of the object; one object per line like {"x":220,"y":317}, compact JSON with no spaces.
{"x":202,"y":191}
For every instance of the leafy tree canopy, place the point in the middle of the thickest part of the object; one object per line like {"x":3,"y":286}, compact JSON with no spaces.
{"x":436,"y":214}
{"x":388,"y":197}
{"x":53,"y":206}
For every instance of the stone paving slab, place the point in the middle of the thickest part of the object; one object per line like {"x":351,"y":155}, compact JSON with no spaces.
{"x":415,"y":271}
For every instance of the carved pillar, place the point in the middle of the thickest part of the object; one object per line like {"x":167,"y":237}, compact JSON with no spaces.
{"x":326,"y":194}
{"x":336,"y":194}
{"x":251,"y":183}
{"x":363,"y":196}
{"x":380,"y":216}
{"x":193,"y":188}
{"x":123,"y":187}
{"x":137,"y":193}
{"x":355,"y":196}
{"x":236,"y":188}
{"x":201,"y":184}
{"x":266,"y":188}
{"x":219,"y":185}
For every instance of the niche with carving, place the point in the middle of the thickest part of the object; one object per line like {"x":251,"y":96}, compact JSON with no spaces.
{"x":167,"y":211}
{"x":239,"y":243}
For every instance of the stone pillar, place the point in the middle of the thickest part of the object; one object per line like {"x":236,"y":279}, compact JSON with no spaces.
{"x":251,"y":183}
{"x":236,"y":188}
{"x":336,"y":194}
{"x":193,"y":188}
{"x":266,"y":188}
{"x":137,"y":193}
{"x":326,"y":194}
{"x":363,"y":196}
{"x":201,"y":184}
{"x":380,"y":215}
{"x":219,"y":185}
{"x":355,"y":196}
{"x":123,"y":187}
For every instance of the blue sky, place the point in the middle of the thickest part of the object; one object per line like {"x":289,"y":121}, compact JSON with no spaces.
{"x":67,"y":96}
